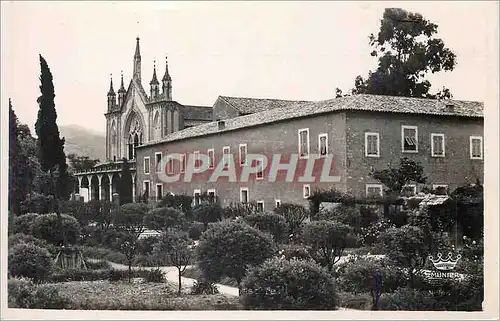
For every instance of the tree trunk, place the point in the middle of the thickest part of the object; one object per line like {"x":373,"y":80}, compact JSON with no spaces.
{"x":129,"y":271}
{"x":180,"y":285}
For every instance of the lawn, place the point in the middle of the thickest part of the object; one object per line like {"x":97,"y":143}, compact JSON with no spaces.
{"x":105,"y":295}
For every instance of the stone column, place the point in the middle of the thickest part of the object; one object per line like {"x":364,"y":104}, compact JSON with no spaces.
{"x":133,"y":188}
{"x":99,"y":177}
{"x":90,"y":188}
{"x":110,"y":176}
{"x":79,"y":184}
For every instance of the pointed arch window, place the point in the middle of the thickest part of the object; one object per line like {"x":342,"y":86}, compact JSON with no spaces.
{"x":156,"y":126}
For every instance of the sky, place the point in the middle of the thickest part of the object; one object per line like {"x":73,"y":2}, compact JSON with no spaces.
{"x":289,"y":50}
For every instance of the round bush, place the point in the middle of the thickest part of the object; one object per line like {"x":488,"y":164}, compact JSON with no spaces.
{"x":19,"y":292}
{"x":207,"y":213}
{"x":293,"y":251}
{"x":31,"y":261}
{"x":409,"y":300}
{"x":23,"y":238}
{"x":288,"y":285}
{"x":46,"y":227}
{"x":24,"y":223}
{"x":229,"y":248}
{"x":195,"y":230}
{"x":271,"y":223}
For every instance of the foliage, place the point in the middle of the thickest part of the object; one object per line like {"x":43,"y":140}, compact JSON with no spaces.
{"x":292,"y":251}
{"x":469,"y":208}
{"x":130,"y":218}
{"x":125,"y":183}
{"x":81,"y":163}
{"x":288,"y":285}
{"x":409,"y":299}
{"x":294,"y":215}
{"x":180,"y":202}
{"x":38,"y":203}
{"x":229,"y":248}
{"x":206,"y":213}
{"x":271,"y":223}
{"x":127,"y":244}
{"x":327,"y":240}
{"x":47,"y":227}
{"x":155,"y":276}
{"x":31,"y":261}
{"x":195,"y":230}
{"x":24,"y":223}
{"x":176,"y":249}
{"x":234,"y":210}
{"x":145,"y":245}
{"x":19,"y":238}
{"x":375,"y":276}
{"x":24,"y":294}
{"x":19,"y":291}
{"x":203,"y":287}
{"x":163,"y":218}
{"x":371,"y":235}
{"x":395,"y":178}
{"x":407,"y":51}
{"x":97,"y":265}
{"x":358,"y":217}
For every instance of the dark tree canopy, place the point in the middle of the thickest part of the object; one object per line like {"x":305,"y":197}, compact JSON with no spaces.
{"x":125,"y":184}
{"x":395,"y":178}
{"x":81,"y":163}
{"x":407,"y":49}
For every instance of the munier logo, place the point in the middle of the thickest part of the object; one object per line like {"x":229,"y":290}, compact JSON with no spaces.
{"x":194,"y":164}
{"x":444,"y":264}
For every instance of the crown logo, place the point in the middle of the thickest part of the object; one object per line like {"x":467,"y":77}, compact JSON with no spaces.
{"x":444,"y":264}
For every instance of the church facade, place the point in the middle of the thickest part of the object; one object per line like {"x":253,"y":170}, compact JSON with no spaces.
{"x":135,"y":117}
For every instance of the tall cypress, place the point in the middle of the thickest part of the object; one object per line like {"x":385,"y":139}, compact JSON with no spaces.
{"x":52,"y":157}
{"x":14,"y":153}
{"x":125,"y":184}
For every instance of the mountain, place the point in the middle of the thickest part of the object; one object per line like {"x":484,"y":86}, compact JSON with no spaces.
{"x":83,"y":141}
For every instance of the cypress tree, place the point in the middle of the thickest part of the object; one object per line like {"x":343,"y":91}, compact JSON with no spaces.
{"x":52,"y":157}
{"x":14,"y":168}
{"x":125,"y":184}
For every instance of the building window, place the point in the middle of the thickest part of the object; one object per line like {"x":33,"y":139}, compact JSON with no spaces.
{"x":304,"y":142}
{"x":146,"y":188}
{"x":260,"y":169}
{"x":374,"y":190}
{"x":437,"y":145}
{"x":372,"y":145}
{"x":170,"y":166}
{"x":409,"y":138}
{"x":260,"y":206}
{"x":244,"y":195}
{"x":159,"y":191}
{"x":196,"y":156}
{"x":196,"y":197}
{"x":147,"y":165}
{"x":211,"y":195}
{"x":409,"y":190}
{"x":277,"y":203}
{"x":323,"y":144}
{"x":183,"y":163}
{"x":226,"y":151}
{"x":306,"y":191}
{"x":158,"y":162}
{"x":476,"y":147}
{"x":211,"y":158}
{"x":243,"y":154}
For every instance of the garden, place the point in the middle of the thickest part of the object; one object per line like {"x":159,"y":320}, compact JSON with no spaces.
{"x":351,"y":254}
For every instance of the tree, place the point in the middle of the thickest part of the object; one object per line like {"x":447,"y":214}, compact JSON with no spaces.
{"x":45,"y":227}
{"x":81,"y":163}
{"x":127,"y":243}
{"x":407,"y":49}
{"x":229,"y":248}
{"x":130,"y":218}
{"x":20,"y":171}
{"x":395,"y":178}
{"x":125,"y":184}
{"x":294,"y":215}
{"x":52,"y":157}
{"x":327,"y":240}
{"x":180,"y":202}
{"x":176,"y":250}
{"x":271,"y":223}
{"x":207,"y":213}
{"x":163,"y":218}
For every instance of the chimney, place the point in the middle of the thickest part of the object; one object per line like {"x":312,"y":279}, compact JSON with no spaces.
{"x":221,"y":124}
{"x":450,"y":106}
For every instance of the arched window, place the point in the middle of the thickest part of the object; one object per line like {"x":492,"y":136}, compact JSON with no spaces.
{"x":156,"y":126}
{"x":113,"y":141}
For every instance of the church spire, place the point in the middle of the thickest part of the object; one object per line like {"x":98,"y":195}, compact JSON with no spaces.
{"x":155,"y":90}
{"x":167,"y":83}
{"x":137,"y":61}
{"x":154,"y":81}
{"x":121,"y":93}
{"x":122,"y":87}
{"x":111,"y":91}
{"x":111,"y":95}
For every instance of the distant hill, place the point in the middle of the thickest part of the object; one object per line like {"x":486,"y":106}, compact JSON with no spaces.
{"x":83,"y":142}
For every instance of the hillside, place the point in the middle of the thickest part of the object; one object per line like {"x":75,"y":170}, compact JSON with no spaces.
{"x":83,"y":141}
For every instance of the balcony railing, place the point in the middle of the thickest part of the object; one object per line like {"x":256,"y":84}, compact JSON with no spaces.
{"x":107,"y":167}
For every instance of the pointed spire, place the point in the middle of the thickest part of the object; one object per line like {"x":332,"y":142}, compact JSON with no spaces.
{"x":111,"y":90}
{"x":166,"y":77}
{"x":137,"y":49}
{"x":154,"y":81}
{"x":122,"y":87}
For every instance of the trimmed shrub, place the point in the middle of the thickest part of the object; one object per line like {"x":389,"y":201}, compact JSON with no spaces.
{"x":97,"y":265}
{"x":294,"y":215}
{"x":409,"y":300}
{"x":46,"y":296}
{"x":163,"y":218}
{"x":46,"y":227}
{"x":207,"y":213}
{"x":145,"y":245}
{"x":27,"y":239}
{"x":229,"y":248}
{"x":31,"y":261}
{"x":37,"y":203}
{"x":288,"y":285}
{"x":195,"y":230}
{"x":19,"y":292}
{"x":68,"y":275}
{"x":154,"y":276}
{"x":203,"y":287}
{"x":271,"y":223}
{"x":293,"y":251}
{"x":24,"y":223}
